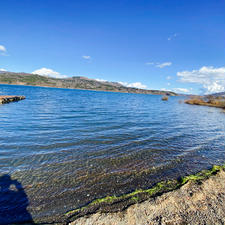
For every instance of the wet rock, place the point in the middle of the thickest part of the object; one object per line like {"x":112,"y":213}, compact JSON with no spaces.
{"x":7,"y":99}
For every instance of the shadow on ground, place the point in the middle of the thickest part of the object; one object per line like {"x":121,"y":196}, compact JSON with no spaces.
{"x":13,"y":202}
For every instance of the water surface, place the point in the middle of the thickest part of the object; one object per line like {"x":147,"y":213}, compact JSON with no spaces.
{"x":69,"y":147}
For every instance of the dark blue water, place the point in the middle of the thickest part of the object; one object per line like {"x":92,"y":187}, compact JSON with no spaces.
{"x":68,"y":147}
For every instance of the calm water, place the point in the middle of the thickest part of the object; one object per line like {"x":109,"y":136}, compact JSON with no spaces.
{"x":68,"y":147}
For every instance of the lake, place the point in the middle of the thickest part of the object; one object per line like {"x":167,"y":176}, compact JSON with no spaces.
{"x":68,"y":147}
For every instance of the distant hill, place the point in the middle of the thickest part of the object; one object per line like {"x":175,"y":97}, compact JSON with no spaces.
{"x":73,"y":83}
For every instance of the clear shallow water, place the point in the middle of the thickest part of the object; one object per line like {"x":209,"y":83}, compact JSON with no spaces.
{"x":68,"y":147}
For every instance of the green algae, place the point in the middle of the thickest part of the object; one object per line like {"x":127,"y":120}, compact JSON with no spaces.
{"x":107,"y":199}
{"x":202,"y":175}
{"x":159,"y":188}
{"x":135,"y":198}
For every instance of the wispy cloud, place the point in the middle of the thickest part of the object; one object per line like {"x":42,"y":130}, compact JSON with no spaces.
{"x":172,"y":37}
{"x":210,"y":78}
{"x":86,"y":57}
{"x":2,"y":70}
{"x":49,"y":73}
{"x":162,"y":65}
{"x":168,"y":77}
{"x":159,"y":65}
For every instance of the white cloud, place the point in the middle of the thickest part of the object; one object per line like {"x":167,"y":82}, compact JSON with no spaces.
{"x":137,"y":85}
{"x":126,"y":84}
{"x":159,"y":65}
{"x":181,"y":90}
{"x":212,"y":79}
{"x":2,"y":48}
{"x":168,"y":77}
{"x":2,"y":70}
{"x":49,"y":73}
{"x":134,"y":85}
{"x":214,"y":87}
{"x":164,"y":64}
{"x":101,"y":80}
{"x":86,"y":57}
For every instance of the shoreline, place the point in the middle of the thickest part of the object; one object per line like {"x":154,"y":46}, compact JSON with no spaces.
{"x":117,"y":204}
{"x":199,"y":199}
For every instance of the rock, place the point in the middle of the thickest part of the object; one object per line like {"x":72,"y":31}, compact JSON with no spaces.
{"x":7,"y":99}
{"x":165,"y":98}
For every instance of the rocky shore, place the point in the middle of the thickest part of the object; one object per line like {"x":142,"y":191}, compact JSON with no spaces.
{"x":198,"y":201}
{"x":7,"y":98}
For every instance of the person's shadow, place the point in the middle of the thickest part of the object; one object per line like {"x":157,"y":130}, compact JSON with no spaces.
{"x":13,"y":202}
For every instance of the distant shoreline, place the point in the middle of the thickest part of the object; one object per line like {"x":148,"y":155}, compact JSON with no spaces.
{"x":78,"y":83}
{"x":84,"y":89}
{"x":80,"y":89}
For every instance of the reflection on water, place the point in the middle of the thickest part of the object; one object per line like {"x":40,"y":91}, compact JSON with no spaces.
{"x":68,"y":147}
{"x":13,"y":202}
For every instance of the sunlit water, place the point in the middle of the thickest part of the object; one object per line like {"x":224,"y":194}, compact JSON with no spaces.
{"x":69,"y":147}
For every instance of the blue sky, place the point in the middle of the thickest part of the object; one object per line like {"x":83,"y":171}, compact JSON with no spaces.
{"x":165,"y":44}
